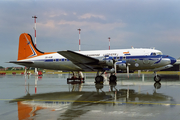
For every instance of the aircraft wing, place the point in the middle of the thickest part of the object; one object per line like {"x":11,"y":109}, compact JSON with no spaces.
{"x":83,"y":61}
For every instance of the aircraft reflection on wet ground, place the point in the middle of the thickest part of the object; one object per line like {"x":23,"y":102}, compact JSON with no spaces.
{"x":125,"y":98}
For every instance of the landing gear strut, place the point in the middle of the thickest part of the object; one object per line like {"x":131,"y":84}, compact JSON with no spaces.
{"x":157,"y":78}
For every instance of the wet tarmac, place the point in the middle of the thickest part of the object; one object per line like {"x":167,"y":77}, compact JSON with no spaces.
{"x":50,"y":98}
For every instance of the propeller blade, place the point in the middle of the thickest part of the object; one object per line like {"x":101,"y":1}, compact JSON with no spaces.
{"x":115,"y":68}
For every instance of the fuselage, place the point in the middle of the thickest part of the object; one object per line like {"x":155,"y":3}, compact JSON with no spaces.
{"x":138,"y":59}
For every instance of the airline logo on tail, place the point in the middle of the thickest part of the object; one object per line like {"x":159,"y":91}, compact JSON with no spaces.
{"x":33,"y":51}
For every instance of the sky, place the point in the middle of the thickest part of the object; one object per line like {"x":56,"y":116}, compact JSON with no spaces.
{"x":137,"y":23}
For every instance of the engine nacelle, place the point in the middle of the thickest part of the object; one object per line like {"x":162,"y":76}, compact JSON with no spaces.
{"x":121,"y":65}
{"x":109,"y":62}
{"x":110,"y":70}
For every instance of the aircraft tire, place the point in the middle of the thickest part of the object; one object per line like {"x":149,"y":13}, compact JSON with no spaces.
{"x":99,"y":79}
{"x":157,"y":78}
{"x":112,"y":78}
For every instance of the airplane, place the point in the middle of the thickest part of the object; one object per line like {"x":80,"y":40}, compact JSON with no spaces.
{"x":101,"y":61}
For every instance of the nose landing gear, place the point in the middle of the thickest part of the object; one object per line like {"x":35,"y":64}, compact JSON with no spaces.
{"x":157,"y":78}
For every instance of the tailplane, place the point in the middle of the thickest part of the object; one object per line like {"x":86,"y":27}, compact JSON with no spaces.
{"x":27,"y":49}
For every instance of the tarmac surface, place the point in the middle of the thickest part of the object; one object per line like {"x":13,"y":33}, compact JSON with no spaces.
{"x":50,"y":98}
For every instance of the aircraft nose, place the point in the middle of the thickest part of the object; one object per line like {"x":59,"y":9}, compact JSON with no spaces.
{"x":173,"y":60}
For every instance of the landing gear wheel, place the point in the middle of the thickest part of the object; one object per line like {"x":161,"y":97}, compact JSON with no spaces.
{"x":157,"y":78}
{"x":112,"y":78}
{"x":99,"y":79}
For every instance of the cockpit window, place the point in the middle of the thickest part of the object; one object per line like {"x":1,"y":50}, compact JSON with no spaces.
{"x":154,"y":54}
{"x":159,"y":53}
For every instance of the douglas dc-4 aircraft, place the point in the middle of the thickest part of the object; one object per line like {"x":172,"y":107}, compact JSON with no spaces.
{"x":111,"y":61}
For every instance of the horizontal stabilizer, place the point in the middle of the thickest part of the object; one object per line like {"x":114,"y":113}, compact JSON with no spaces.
{"x":21,"y":62}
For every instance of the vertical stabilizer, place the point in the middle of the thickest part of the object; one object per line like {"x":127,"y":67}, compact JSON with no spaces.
{"x":27,"y":48}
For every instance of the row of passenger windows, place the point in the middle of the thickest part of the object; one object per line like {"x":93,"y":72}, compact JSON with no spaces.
{"x":56,"y":60}
{"x":63,"y":59}
{"x":124,"y":57}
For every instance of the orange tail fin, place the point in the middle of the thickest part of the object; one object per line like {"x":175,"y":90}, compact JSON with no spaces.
{"x":27,"y":48}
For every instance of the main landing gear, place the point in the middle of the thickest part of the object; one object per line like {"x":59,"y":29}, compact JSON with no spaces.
{"x":100,"y":79}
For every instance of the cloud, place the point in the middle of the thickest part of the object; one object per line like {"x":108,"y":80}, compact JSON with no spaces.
{"x":88,"y":25}
{"x":49,"y":24}
{"x":74,"y":13}
{"x":90,"y":15}
{"x":68,"y":28}
{"x":55,"y":13}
